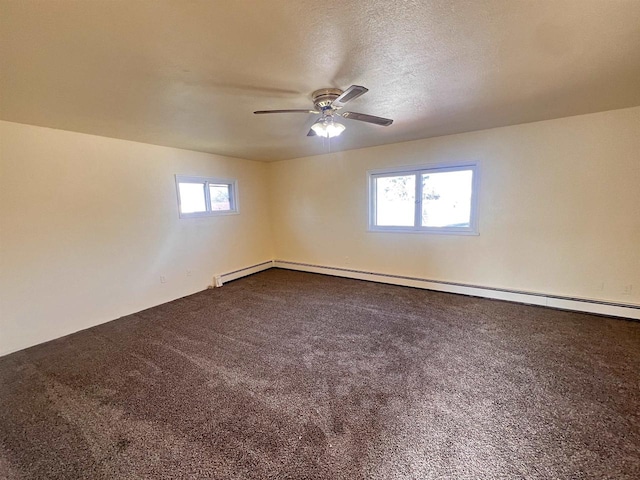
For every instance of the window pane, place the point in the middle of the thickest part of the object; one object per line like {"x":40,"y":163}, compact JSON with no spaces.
{"x":192,"y":197}
{"x":395,"y":201}
{"x":446,"y":199}
{"x":220,"y":196}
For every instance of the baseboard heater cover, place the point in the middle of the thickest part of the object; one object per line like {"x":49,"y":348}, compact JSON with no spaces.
{"x":564,"y":303}
{"x":243,"y":272}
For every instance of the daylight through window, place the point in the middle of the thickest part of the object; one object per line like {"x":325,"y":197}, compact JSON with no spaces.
{"x":199,"y":196}
{"x":432,"y":199}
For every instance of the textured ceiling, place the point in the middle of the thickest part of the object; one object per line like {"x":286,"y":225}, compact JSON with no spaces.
{"x":189,"y":74}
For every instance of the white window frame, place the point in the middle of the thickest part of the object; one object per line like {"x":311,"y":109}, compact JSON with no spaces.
{"x":233,"y":197}
{"x":419,"y":170}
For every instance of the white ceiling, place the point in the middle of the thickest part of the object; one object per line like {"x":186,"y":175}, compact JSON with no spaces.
{"x":189,"y":74}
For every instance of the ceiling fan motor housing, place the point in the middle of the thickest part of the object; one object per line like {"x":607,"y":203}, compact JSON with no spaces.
{"x":327,"y":102}
{"x":324,"y":97}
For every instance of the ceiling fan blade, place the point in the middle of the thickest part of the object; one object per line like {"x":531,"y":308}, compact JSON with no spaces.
{"x":260,"y":112}
{"x":354,"y":91}
{"x":363,"y":117}
{"x":311,"y":133}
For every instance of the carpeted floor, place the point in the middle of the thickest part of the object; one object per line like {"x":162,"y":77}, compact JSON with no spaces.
{"x":294,"y":375}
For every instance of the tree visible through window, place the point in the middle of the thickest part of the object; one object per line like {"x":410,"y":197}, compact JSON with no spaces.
{"x":220,"y":196}
{"x":446,"y":199}
{"x":199,"y":196}
{"x":429,"y":199}
{"x":396,"y":199}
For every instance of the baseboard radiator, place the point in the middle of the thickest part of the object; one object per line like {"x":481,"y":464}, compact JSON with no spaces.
{"x":242,"y":272}
{"x":554,"y":301}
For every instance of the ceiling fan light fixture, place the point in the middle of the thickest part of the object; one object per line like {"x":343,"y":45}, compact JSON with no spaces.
{"x":327,"y":102}
{"x":327,"y":127}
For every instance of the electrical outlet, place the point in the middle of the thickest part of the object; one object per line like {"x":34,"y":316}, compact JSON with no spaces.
{"x":163,"y":279}
{"x":188,"y":273}
{"x":626,"y":290}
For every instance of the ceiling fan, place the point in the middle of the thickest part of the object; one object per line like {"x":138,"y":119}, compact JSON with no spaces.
{"x":328,"y":102}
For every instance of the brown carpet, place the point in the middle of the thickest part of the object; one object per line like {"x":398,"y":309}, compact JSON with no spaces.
{"x":294,"y":375}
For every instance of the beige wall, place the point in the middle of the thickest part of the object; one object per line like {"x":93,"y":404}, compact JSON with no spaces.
{"x":559,"y":209}
{"x":88,"y":224}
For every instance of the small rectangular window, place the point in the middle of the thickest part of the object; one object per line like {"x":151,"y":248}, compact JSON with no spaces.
{"x":430,"y":199}
{"x":201,"y":197}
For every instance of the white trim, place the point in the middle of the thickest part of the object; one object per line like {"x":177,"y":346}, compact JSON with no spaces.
{"x":547,"y":300}
{"x":612,"y":309}
{"x":418,"y":170}
{"x":429,"y":230}
{"x":246,"y":271}
{"x":233,"y":198}
{"x":422,"y":166}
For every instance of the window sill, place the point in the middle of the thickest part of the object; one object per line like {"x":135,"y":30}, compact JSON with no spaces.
{"x":208,"y":214}
{"x":433,"y":231}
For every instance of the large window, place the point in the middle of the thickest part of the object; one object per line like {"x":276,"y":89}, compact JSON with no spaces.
{"x":432,"y":199}
{"x":201,"y":197}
